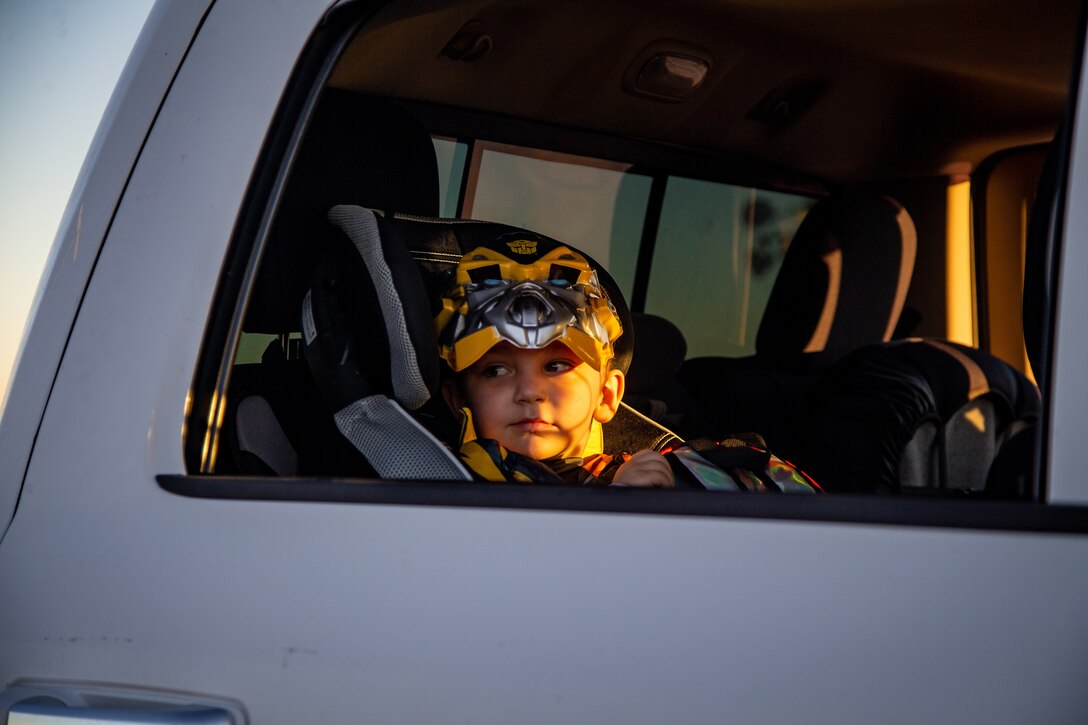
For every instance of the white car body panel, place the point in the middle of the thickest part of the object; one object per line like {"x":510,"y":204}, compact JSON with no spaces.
{"x":308,"y":612}
{"x":140,"y":90}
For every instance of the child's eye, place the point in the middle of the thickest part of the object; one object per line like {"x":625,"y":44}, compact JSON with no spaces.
{"x":495,"y":371}
{"x":558,"y":366}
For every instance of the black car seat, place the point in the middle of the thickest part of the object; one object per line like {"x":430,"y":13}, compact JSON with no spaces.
{"x":913,"y":415}
{"x":368,"y":329}
{"x":1013,"y":470}
{"x":652,"y":385}
{"x":355,"y":150}
{"x":842,"y":285}
{"x":925,"y":415}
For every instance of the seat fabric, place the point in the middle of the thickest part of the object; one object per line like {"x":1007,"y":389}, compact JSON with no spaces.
{"x":652,"y":385}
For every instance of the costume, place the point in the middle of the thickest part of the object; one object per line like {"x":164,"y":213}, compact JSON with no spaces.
{"x":738,"y":463}
{"x":491,"y":462}
{"x":755,"y":469}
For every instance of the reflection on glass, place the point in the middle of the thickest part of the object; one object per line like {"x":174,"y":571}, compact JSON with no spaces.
{"x":718,"y":251}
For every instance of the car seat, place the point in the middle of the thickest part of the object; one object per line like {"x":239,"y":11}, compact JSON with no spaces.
{"x":842,"y":285}
{"x":1002,"y":459}
{"x":912,"y":415}
{"x":369,"y":340}
{"x":652,"y":385}
{"x":355,"y":149}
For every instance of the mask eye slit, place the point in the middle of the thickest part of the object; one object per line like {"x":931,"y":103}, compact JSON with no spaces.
{"x":562,"y":275}
{"x":490,"y":275}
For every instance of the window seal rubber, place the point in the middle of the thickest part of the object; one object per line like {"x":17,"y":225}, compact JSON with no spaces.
{"x":944,"y":512}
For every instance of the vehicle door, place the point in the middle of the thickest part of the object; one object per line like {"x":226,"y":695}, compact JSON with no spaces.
{"x":133,"y":582}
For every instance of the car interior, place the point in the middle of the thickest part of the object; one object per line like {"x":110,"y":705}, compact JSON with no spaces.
{"x":826,"y":223}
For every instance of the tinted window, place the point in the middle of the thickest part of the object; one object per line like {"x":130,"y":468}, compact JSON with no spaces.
{"x":721,"y":245}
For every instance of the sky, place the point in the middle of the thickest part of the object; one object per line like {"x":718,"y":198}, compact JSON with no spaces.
{"x":59,"y":61}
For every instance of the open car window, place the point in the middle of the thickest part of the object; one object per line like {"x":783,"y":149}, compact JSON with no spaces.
{"x":796,"y":274}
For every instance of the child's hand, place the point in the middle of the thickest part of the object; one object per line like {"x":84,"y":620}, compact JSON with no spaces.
{"x":647,"y":468}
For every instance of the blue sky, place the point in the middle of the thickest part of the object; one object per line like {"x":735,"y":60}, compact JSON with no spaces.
{"x":59,"y":60}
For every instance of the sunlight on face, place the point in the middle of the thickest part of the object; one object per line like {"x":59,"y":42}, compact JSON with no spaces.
{"x":539,"y":403}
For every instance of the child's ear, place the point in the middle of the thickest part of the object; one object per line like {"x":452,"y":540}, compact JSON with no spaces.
{"x":612,"y":386}
{"x":451,"y":393}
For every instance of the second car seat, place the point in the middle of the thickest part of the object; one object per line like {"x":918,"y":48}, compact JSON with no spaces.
{"x":842,"y":285}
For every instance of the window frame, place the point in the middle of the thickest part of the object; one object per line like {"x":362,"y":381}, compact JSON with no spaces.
{"x":206,"y":406}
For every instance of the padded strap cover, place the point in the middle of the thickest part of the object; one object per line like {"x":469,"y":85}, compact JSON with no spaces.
{"x":395,"y":444}
{"x":631,"y":431}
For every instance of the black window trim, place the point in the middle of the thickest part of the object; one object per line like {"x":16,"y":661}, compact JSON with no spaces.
{"x":961,"y":511}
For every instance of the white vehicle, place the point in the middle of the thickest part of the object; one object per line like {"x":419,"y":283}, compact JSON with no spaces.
{"x":186,"y":536}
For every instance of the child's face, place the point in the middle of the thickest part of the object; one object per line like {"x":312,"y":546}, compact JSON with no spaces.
{"x":539,"y":403}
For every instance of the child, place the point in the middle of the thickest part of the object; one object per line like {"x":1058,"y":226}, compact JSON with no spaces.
{"x":529,"y":332}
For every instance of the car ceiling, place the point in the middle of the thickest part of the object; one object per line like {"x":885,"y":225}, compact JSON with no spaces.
{"x":875,"y":89}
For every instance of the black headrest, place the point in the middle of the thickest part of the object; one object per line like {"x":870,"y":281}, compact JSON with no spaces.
{"x":844,"y":279}
{"x":356,"y":150}
{"x":660,"y":353}
{"x":368,"y":321}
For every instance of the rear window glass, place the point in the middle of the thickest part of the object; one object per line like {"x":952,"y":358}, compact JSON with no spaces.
{"x":721,"y":245}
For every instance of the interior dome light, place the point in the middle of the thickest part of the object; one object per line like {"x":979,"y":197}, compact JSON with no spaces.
{"x":671,"y":76}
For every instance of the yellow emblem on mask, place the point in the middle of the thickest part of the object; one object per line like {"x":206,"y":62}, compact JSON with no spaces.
{"x":522,"y":246}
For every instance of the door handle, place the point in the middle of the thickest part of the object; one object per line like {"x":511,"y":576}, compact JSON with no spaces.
{"x":57,"y":703}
